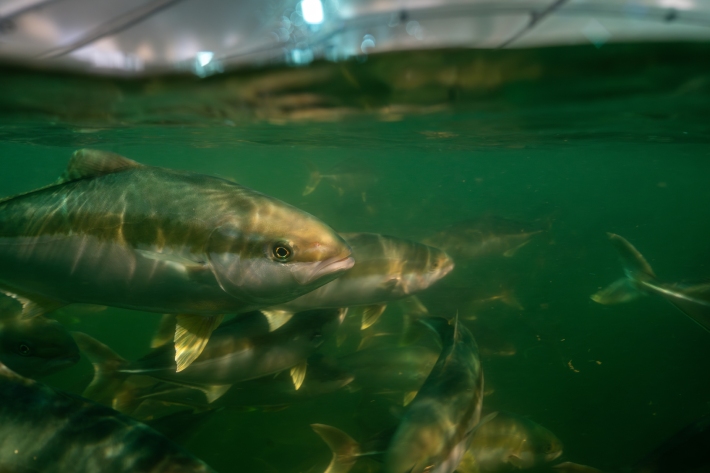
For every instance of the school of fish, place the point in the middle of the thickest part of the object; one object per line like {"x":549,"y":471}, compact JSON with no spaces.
{"x":247,"y":293}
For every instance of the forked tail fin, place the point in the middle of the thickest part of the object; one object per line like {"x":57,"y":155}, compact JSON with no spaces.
{"x":636,"y":269}
{"x":345,"y":450}
{"x":107,"y":377}
{"x":314,"y":178}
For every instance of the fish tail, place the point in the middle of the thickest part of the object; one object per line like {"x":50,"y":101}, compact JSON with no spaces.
{"x":345,"y":450}
{"x":108,"y":378}
{"x":314,"y":179}
{"x":636,"y":269}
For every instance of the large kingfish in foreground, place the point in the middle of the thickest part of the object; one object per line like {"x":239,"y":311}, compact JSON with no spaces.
{"x":640,"y":280}
{"x":42,"y":430}
{"x":436,"y":428}
{"x":114,"y":232}
{"x":386,"y":269}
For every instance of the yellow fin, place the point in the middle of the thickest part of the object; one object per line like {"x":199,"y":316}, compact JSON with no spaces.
{"x":409,"y":397}
{"x":86,"y":163}
{"x":371,"y":314}
{"x":212,"y":393}
{"x":345,"y":450}
{"x":276,"y":317}
{"x":298,"y":374}
{"x":165,"y":332}
{"x":192,"y":333}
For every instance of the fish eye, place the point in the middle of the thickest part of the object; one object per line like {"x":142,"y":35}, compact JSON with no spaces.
{"x":282,"y":251}
{"x":24,"y":349}
{"x":548,"y":448}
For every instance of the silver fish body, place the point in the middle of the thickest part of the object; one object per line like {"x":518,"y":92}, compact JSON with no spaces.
{"x":115,"y":232}
{"x":436,"y":429}
{"x":386,"y":269}
{"x":509,"y":440}
{"x":165,"y":241}
{"x":483,"y":236}
{"x":244,"y":349}
{"x":400,"y":369}
{"x":52,"y":432}
{"x":34,"y":347}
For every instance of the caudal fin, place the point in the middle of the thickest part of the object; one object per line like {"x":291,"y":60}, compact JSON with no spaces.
{"x":345,"y":450}
{"x":636,"y":269}
{"x":108,"y":380}
{"x":314,"y":178}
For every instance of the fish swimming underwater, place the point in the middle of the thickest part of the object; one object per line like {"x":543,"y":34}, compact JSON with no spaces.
{"x":115,"y":232}
{"x":239,"y":350}
{"x":34,"y":347}
{"x":509,"y":440}
{"x":399,"y":370}
{"x":640,"y":280}
{"x":386,"y":269}
{"x":436,"y":428}
{"x":267,"y":392}
{"x":351,"y":176}
{"x":43,"y":430}
{"x":483,"y":236}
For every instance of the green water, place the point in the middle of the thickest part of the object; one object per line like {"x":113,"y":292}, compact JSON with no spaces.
{"x":588,"y":140}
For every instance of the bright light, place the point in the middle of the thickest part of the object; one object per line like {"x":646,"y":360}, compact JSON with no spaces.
{"x":312,"y":11}
{"x":204,"y":57}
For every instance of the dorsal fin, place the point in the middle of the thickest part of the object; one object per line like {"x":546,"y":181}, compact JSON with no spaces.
{"x":86,"y":163}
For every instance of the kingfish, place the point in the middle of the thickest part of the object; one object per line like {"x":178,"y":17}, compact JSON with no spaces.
{"x":34,"y":347}
{"x":351,"y":176}
{"x":386,"y":269}
{"x":640,"y":280}
{"x":488,"y":235}
{"x":509,"y":440}
{"x":43,"y":430}
{"x":400,"y":370}
{"x":437,"y":427}
{"x":239,"y":350}
{"x":115,"y":232}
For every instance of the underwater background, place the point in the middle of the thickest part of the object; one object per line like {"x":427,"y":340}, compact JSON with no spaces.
{"x":577,"y":140}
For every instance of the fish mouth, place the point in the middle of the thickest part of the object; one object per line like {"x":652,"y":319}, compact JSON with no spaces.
{"x":330,"y":266}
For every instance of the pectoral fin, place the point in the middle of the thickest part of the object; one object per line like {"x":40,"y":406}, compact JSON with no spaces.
{"x":298,"y":374}
{"x":165,"y":332}
{"x":192,"y":333}
{"x":409,"y":397}
{"x":371,"y":314}
{"x":276,"y":317}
